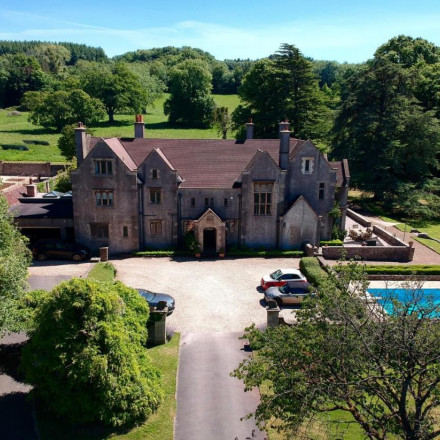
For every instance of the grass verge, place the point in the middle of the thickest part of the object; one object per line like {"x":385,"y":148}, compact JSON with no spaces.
{"x":103,"y":272}
{"x":159,"y":426}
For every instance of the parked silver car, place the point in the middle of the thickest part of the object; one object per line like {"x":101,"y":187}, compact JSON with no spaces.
{"x":286,"y":295}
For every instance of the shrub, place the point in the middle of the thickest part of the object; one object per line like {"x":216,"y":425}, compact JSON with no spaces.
{"x":86,"y":357}
{"x":312,"y":270}
{"x":331,"y":243}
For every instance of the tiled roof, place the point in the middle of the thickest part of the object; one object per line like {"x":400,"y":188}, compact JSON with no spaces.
{"x":202,"y":163}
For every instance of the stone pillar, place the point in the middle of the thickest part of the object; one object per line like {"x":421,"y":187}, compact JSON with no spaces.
{"x":103,"y":253}
{"x":273,"y":313}
{"x":157,"y":327}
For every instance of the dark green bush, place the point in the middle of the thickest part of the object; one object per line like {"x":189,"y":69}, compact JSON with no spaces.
{"x":86,"y":357}
{"x":312,"y":270}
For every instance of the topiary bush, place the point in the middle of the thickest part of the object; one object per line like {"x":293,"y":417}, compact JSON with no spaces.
{"x":86,"y":357}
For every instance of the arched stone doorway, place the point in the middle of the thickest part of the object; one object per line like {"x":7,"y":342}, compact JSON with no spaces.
{"x":210,"y":232}
{"x":210,"y":240}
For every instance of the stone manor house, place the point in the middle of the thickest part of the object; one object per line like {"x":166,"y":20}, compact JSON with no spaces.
{"x":138,"y":193}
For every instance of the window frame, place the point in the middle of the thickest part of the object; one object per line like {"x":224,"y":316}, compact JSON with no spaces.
{"x":103,"y":167}
{"x":263,"y":199}
{"x":99,"y":231}
{"x":104,"y":194}
{"x":156,"y":228}
{"x":155,"y":196}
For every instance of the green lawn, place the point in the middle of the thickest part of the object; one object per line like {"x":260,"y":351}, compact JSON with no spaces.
{"x":15,"y":129}
{"x":160,"y":426}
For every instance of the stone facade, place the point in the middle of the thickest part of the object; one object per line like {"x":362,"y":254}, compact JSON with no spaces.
{"x":132,"y":194}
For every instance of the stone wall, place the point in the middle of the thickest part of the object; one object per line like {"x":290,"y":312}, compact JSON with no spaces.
{"x":358,"y":218}
{"x":371,"y":253}
{"x":388,"y":237}
{"x":45,"y":169}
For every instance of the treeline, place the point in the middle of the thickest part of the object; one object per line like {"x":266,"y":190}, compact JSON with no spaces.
{"x":77,"y":51}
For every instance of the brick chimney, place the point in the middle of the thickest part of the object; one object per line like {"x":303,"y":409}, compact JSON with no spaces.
{"x":80,"y":142}
{"x":139,"y":127}
{"x":284,"y":149}
{"x":250,"y":129}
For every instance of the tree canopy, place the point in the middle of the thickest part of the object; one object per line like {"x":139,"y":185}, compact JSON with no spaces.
{"x":60,"y":108}
{"x":15,"y":258}
{"x":280,"y":88}
{"x":347,"y":354}
{"x":190,"y":102}
{"x":115,"y":85}
{"x":86,"y":357}
{"x":387,"y":124}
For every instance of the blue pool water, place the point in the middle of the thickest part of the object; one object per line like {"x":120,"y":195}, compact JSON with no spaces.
{"x":422,"y":297}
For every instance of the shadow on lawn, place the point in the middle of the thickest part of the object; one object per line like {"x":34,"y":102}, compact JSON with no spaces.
{"x":32,"y":131}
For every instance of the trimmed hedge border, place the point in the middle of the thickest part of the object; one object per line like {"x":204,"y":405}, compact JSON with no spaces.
{"x":311,"y":268}
{"x":234,"y":253}
{"x":402,"y":270}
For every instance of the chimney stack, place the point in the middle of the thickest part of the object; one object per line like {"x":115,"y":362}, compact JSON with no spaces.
{"x":284,"y":125}
{"x":80,"y":142}
{"x":139,"y":127}
{"x":250,"y":129}
{"x":31,"y":190}
{"x":284,"y":149}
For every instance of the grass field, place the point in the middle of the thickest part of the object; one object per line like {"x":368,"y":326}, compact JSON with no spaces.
{"x":15,"y":129}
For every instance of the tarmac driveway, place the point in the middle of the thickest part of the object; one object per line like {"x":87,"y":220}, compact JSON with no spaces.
{"x":219,"y":295}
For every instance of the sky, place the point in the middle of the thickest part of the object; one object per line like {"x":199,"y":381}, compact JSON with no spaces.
{"x":340,"y":30}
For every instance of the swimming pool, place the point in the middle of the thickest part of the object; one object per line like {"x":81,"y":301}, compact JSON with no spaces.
{"x":421,"y":298}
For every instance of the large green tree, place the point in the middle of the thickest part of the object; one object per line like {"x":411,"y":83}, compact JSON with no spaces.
{"x":284,"y":87}
{"x":15,"y":258}
{"x":190,"y":102}
{"x":346,"y":356}
{"x":86,"y":357}
{"x":115,"y":85}
{"x":385,"y":132}
{"x":60,"y":108}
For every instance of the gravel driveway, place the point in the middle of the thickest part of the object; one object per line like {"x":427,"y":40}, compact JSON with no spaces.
{"x":211,"y":295}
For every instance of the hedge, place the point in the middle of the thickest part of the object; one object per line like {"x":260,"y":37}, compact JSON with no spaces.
{"x":231,"y":253}
{"x":312,"y":270}
{"x":403,"y":270}
{"x":331,"y":243}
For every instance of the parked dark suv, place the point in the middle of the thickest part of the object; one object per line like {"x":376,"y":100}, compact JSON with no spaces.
{"x":59,"y":250}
